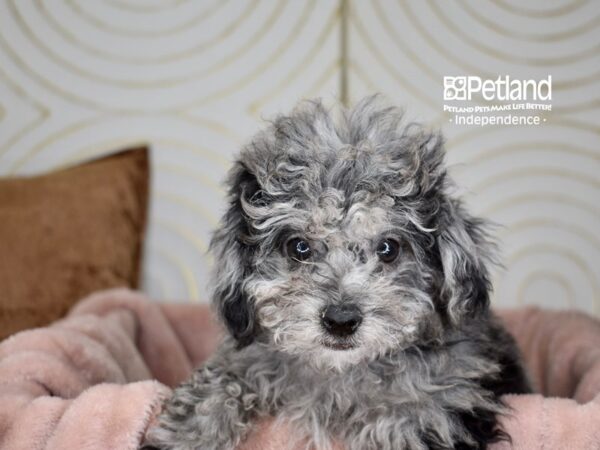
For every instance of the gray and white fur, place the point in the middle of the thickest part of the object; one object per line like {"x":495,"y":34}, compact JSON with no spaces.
{"x":354,"y":287}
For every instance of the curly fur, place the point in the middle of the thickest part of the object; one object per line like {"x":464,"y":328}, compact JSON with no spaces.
{"x":428,"y":363}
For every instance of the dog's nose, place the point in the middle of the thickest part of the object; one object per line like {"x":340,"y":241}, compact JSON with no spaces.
{"x":341,"y":320}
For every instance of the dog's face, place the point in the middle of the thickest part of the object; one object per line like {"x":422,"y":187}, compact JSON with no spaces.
{"x":341,"y":243}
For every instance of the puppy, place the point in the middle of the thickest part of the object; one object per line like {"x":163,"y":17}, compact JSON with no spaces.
{"x":355,"y":290}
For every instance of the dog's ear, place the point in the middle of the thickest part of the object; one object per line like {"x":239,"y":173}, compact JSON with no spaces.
{"x":233,"y":253}
{"x":462,"y":248}
{"x":465,"y":252}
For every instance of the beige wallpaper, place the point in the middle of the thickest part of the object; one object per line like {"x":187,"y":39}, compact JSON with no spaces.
{"x":80,"y":78}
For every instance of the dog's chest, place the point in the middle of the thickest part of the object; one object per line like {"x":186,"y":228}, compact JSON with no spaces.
{"x":343,"y":400}
{"x":413,"y":391}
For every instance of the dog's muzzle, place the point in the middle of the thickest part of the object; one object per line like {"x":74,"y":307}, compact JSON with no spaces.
{"x":342,"y":320}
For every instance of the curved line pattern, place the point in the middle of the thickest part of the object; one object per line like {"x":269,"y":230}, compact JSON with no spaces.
{"x":402,"y":45}
{"x":55,"y":88}
{"x":579,"y":125}
{"x":571,"y":228}
{"x":187,"y":235}
{"x":535,"y":13}
{"x":363,"y":76}
{"x":538,"y":145}
{"x":102,"y":147}
{"x":50,"y":139}
{"x":186,"y":273}
{"x":146,"y":8}
{"x":213,"y":125}
{"x":186,"y":203}
{"x":568,"y":254}
{"x":545,"y":274}
{"x":190,"y":173}
{"x":194,"y":21}
{"x":172,"y":56}
{"x":157,"y":278}
{"x":52,"y":86}
{"x":589,"y":25}
{"x":508,"y":57}
{"x":273,"y":57}
{"x":453,"y":59}
{"x":330,"y":72}
{"x":137,"y":83}
{"x":385,"y":64}
{"x":296,"y":71}
{"x":211,"y":97}
{"x":525,"y":173}
{"x":565,"y":199}
{"x":43,"y":114}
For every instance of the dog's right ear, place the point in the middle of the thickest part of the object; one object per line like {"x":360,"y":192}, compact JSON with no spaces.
{"x":233,"y":253}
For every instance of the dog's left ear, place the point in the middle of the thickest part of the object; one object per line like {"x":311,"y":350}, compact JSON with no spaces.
{"x":462,"y":246}
{"x":465,"y":252}
{"x":233,"y":255}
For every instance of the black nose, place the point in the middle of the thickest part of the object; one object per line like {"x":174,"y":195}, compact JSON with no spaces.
{"x":341,"y":320}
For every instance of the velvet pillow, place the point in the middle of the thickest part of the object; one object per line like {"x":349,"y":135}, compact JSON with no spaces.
{"x":68,"y":233}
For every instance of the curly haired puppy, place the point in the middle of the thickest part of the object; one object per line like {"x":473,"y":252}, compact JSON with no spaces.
{"x":355,"y":291}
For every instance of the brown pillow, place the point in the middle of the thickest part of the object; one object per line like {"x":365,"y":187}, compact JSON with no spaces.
{"x":68,"y":233}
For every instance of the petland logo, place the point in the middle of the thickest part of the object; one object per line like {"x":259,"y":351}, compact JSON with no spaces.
{"x":500,"y":89}
{"x":472,"y":101}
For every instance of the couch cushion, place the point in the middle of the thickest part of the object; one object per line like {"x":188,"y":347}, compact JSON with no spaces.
{"x":68,"y":233}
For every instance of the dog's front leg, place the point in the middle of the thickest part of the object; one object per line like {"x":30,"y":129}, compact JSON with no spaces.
{"x":211,"y":411}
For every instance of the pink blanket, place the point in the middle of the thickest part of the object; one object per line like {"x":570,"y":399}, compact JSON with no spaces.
{"x":96,"y":379}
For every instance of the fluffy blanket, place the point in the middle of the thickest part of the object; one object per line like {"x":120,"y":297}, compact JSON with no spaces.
{"x":96,"y":379}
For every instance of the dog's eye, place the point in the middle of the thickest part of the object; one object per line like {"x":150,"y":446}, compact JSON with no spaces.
{"x":298,"y":248}
{"x":388,"y":250}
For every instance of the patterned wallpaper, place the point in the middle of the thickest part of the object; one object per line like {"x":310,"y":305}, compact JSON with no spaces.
{"x":195,"y":78}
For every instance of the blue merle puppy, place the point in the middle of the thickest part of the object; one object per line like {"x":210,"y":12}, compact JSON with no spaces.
{"x":355,"y":291}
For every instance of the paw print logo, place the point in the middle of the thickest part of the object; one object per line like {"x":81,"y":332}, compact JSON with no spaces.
{"x":455,"y":88}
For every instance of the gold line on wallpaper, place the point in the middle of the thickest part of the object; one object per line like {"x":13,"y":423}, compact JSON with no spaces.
{"x":191,"y":205}
{"x":185,"y":271}
{"x":396,"y":74}
{"x":545,"y":37}
{"x":140,"y":83}
{"x":569,"y":228}
{"x":344,"y":53}
{"x":168,"y":4}
{"x":274,"y":56}
{"x":192,"y":22}
{"x":454,"y":59}
{"x":564,"y":199}
{"x":537,"y":13}
{"x":563,"y":252}
{"x":295,"y":72}
{"x":97,"y":148}
{"x":509,"y":57}
{"x":552,"y":275}
{"x":280,"y":50}
{"x":188,"y":235}
{"x":157,"y":278}
{"x":142,"y":61}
